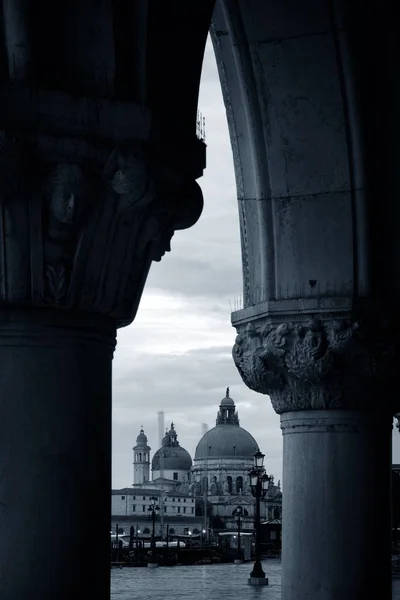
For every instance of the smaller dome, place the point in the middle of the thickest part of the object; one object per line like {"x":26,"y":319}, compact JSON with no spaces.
{"x":171,"y":458}
{"x":227,"y":401}
{"x":141,"y":440}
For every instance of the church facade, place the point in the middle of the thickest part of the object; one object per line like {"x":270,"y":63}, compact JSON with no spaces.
{"x":204,"y":493}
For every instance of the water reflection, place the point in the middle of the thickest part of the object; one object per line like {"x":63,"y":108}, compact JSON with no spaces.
{"x":201,"y":582}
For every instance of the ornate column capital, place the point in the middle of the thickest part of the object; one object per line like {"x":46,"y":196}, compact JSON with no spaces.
{"x":322,"y":364}
{"x":81,"y":222}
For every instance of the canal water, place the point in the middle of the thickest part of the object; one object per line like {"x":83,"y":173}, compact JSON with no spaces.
{"x":198,"y":582}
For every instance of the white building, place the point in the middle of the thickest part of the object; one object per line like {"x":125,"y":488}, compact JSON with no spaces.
{"x":215,"y":483}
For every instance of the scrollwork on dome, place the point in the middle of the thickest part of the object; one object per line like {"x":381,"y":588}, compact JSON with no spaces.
{"x":316,"y":365}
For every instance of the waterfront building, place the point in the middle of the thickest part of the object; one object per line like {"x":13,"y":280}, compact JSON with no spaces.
{"x":198,"y":495}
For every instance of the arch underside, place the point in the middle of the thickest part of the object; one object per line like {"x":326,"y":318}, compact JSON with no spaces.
{"x":309,"y":105}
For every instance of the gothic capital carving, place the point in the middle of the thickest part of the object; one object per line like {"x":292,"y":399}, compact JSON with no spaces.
{"x":80,"y":224}
{"x":319,"y":365}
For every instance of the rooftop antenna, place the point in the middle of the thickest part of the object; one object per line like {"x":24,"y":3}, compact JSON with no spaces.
{"x":160,"y":437}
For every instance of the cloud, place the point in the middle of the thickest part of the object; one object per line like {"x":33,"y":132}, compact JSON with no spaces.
{"x":176,"y":356}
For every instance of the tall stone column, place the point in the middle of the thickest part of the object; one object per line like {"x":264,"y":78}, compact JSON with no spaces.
{"x":326,"y":376}
{"x":80,"y":224}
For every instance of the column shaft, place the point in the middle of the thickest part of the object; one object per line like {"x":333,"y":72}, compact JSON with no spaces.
{"x":336,"y":505}
{"x":55,"y":454}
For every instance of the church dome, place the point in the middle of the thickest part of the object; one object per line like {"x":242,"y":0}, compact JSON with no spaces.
{"x":174,"y":459}
{"x":227,"y":439}
{"x":227,"y":401}
{"x":171,"y":456}
{"x":141,"y":441}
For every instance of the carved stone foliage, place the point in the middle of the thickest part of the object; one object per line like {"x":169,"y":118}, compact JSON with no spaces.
{"x":329,"y":364}
{"x":80,"y":231}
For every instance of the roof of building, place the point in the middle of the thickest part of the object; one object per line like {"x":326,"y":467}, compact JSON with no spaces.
{"x":171,"y":456}
{"x":227,"y":439}
{"x":141,"y":441}
{"x":148,"y":492}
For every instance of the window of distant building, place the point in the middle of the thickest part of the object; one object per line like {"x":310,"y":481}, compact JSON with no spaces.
{"x":134,"y":497}
{"x":144,"y":508}
{"x":173,"y":499}
{"x":165,"y":509}
{"x":179,"y":509}
{"x":184,"y":499}
{"x":122,"y":497}
{"x":184,"y":509}
{"x":192,"y":510}
{"x":176,"y":476}
{"x":144,"y":497}
{"x":133,"y":507}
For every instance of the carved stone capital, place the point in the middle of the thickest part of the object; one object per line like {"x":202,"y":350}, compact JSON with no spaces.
{"x":324,"y":364}
{"x":80,"y":224}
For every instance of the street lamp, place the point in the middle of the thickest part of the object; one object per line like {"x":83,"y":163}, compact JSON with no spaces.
{"x":137,"y":536}
{"x":259,"y":482}
{"x":153,"y":508}
{"x":238,"y":513}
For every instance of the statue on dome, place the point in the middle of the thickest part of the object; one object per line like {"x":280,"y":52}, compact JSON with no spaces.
{"x":227,"y":392}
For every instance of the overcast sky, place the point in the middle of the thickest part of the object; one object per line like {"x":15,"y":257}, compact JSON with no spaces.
{"x":176,"y":356}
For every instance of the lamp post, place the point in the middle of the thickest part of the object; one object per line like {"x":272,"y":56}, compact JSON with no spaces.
{"x":137,"y":536}
{"x":153,"y":508}
{"x":238,"y":513}
{"x":259,"y":482}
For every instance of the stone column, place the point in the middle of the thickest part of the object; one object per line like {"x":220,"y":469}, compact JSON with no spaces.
{"x":79,"y":227}
{"x":326,"y":378}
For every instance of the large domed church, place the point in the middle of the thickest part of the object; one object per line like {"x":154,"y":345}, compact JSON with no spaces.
{"x":215,"y":483}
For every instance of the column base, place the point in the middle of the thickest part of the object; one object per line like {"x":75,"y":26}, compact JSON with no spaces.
{"x":152,"y":565}
{"x":257,"y":581}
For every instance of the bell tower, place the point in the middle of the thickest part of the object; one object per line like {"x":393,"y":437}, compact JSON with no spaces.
{"x":141,"y":459}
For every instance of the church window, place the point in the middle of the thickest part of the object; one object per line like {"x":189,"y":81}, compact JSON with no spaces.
{"x":122,"y":497}
{"x":133,"y":507}
{"x":229,"y":481}
{"x":239,"y":484}
{"x":175,"y":476}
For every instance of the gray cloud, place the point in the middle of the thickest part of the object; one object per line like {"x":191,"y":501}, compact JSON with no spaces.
{"x":176,"y":356}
